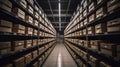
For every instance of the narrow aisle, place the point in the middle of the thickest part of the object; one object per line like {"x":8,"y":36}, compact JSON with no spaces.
{"x":60,"y":57}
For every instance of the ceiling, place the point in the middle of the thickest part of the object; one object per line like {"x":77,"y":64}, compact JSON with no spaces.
{"x":50,"y":7}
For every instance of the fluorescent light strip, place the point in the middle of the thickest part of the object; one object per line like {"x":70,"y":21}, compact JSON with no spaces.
{"x":59,"y":6}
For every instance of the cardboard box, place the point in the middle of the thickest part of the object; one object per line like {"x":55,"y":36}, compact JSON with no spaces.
{"x":84,"y":31}
{"x":29,"y":19}
{"x":17,"y":28}
{"x":36,"y":7}
{"x":94,"y":61}
{"x":91,"y":30}
{"x":36,"y":23}
{"x":91,"y":18}
{"x":6,"y":23}
{"x":101,"y":28}
{"x":113,"y":25}
{"x":35,"y":54}
{"x":95,"y":45}
{"x":29,"y":30}
{"x":35,"y":42}
{"x":19,"y":12}
{"x":19,"y":62}
{"x":84,"y":13}
{"x":102,"y":64}
{"x":36,"y":15}
{"x":99,"y":12}
{"x":5,"y":29}
{"x":28,"y":58}
{"x":17,"y":45}
{"x":113,"y":5}
{"x":84,"y":3}
{"x":28,"y":43}
{"x":31,"y":1}
{"x":5,"y":47}
{"x":91,"y":7}
{"x":23,"y":3}
{"x":30,"y":9}
{"x":86,"y":43}
{"x":85,"y":22}
{"x":35,"y":32}
{"x":110,"y":49}
{"x":6,"y":5}
{"x":99,"y":1}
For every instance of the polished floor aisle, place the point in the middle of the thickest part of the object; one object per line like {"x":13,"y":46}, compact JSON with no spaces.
{"x":59,"y":57}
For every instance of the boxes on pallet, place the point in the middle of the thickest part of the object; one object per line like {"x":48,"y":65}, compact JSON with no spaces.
{"x":19,"y":12}
{"x":91,"y":7}
{"x":91,"y":18}
{"x":103,"y":64}
{"x":28,"y":58}
{"x":95,"y":45}
{"x":29,"y":19}
{"x":28,"y":43}
{"x":23,"y":3}
{"x":6,"y":4}
{"x":5,"y":48}
{"x":99,"y":12}
{"x":35,"y":54}
{"x":30,"y":9}
{"x":93,"y":61}
{"x":113,"y":5}
{"x":110,"y":49}
{"x":91,"y":30}
{"x":18,"y":28}
{"x":35,"y":42}
{"x":101,"y":28}
{"x":113,"y":25}
{"x":5,"y":26}
{"x":17,"y":45}
{"x":19,"y":62}
{"x":29,"y":30}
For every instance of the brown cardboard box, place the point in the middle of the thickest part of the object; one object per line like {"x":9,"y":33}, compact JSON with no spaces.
{"x":36,"y":15}
{"x":84,"y":13}
{"x":28,"y":58}
{"x":29,"y":30}
{"x":29,"y":19}
{"x":102,"y":64}
{"x":6,"y":23}
{"x":5,"y":47}
{"x":5,"y":29}
{"x":30,"y":9}
{"x":28,"y":43}
{"x":19,"y":62}
{"x":6,"y":4}
{"x":99,"y":12}
{"x":84,"y":31}
{"x":35,"y":32}
{"x":91,"y":30}
{"x":19,"y":12}
{"x":94,"y":61}
{"x":17,"y":28}
{"x":91,"y":7}
{"x":35,"y":54}
{"x":85,"y":22}
{"x":113,"y":5}
{"x":101,"y":28}
{"x":95,"y":45}
{"x":23,"y":3}
{"x":34,"y":42}
{"x":91,"y":18}
{"x":36,"y":23}
{"x":17,"y":45}
{"x":41,"y":50}
{"x":113,"y":25}
{"x":86,"y":43}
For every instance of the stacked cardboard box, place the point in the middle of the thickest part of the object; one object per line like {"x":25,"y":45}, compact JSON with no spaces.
{"x":95,"y":45}
{"x":35,"y":32}
{"x":36,"y":15}
{"x":91,"y":18}
{"x":36,"y":23}
{"x":19,"y":12}
{"x":35,"y":42}
{"x":17,"y":28}
{"x":29,"y":30}
{"x":113,"y":25}
{"x":19,"y":62}
{"x":6,"y":4}
{"x":34,"y":54}
{"x":99,"y":12}
{"x":91,"y":7}
{"x":30,"y":9}
{"x":5,"y":47}
{"x":29,"y":19}
{"x":101,"y":28}
{"x":91,"y":30}
{"x":23,"y":3}
{"x":28,"y":58}
{"x":28,"y":43}
{"x":17,"y":45}
{"x":113,"y":5}
{"x":5,"y":26}
{"x":94,"y":61}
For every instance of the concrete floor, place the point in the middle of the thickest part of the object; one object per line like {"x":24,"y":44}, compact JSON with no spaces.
{"x":60,"y":57}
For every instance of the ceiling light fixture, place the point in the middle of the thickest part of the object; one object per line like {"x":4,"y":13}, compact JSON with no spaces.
{"x":59,"y":8}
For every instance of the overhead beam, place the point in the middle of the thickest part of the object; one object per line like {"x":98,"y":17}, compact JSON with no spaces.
{"x":58,"y":22}
{"x":58,"y":26}
{"x":57,"y":15}
{"x":57,"y":10}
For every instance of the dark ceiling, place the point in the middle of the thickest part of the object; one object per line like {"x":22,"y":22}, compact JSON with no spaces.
{"x":50,"y":7}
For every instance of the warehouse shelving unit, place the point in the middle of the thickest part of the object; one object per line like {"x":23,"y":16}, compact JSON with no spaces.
{"x":44,"y":38}
{"x":82,"y":30}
